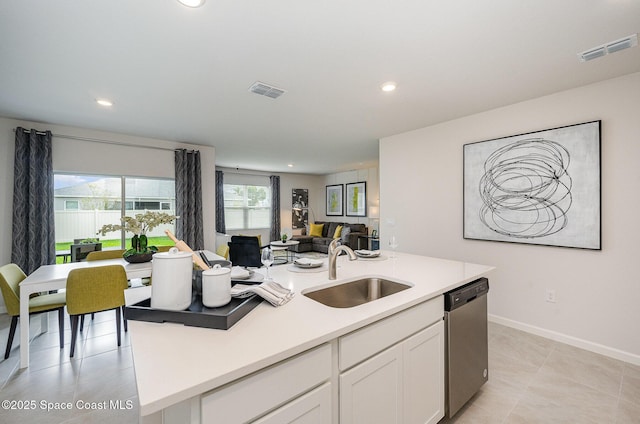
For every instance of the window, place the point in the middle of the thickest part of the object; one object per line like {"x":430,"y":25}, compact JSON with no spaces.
{"x":84,"y":203}
{"x":247,"y":207}
{"x":71,"y":205}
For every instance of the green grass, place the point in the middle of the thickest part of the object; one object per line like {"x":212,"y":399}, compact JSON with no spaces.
{"x":115,"y":244}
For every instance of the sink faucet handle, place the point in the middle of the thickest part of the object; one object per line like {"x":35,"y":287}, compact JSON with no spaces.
{"x":333,"y":245}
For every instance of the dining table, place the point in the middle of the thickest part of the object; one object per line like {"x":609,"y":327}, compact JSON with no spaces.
{"x":54,"y":277}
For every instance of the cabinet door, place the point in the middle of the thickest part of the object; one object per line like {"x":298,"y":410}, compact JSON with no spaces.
{"x":371,"y":393}
{"x":423,"y":356}
{"x":311,"y":408}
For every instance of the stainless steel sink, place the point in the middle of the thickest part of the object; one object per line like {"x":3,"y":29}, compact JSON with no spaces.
{"x":354,"y":293}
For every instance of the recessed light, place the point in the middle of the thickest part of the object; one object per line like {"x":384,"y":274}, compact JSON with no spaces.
{"x":290,"y":165}
{"x":104,"y":102}
{"x":388,"y":86}
{"x":191,"y":3}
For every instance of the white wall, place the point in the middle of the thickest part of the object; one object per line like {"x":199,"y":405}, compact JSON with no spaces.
{"x":598,"y":292}
{"x":105,"y":159}
{"x":368,"y":175}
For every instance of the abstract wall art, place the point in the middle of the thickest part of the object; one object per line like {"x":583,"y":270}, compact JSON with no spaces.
{"x":334,"y":200}
{"x":537,"y":188}
{"x":356,"y":199}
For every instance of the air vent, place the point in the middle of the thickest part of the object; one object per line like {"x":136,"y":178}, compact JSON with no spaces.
{"x":266,"y":90}
{"x":608,"y":48}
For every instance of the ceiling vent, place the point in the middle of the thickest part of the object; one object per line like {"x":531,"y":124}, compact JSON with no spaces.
{"x":611,"y":47}
{"x":266,"y":90}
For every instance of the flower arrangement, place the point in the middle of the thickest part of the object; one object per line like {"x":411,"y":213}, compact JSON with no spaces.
{"x":139,"y":225}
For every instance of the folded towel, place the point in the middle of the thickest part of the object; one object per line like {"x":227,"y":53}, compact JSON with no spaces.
{"x":271,"y":291}
{"x":239,"y":273}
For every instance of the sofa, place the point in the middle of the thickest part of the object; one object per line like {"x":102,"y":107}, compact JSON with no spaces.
{"x":309,"y":243}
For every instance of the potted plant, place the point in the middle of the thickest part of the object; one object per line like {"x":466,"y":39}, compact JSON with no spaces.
{"x":139,"y":225}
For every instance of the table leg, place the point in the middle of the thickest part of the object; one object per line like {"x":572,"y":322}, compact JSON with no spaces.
{"x":24,"y":328}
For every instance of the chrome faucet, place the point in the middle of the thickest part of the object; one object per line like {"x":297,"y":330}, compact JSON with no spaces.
{"x":334,"y":251}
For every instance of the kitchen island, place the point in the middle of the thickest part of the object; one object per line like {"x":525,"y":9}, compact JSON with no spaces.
{"x":274,"y":356}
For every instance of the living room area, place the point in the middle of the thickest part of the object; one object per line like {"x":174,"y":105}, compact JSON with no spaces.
{"x":307,"y":220}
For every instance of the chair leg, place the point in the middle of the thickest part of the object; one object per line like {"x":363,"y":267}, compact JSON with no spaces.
{"x":61,"y":326}
{"x":74,"y":333}
{"x":118,"y":324}
{"x":126,"y":327}
{"x":81,"y":323}
{"x":12,"y":332}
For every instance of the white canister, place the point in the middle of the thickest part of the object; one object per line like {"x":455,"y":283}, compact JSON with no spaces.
{"x":216,"y":286}
{"x":171,"y":280}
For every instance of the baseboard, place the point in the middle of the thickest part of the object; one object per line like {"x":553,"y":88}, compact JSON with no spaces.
{"x":570,"y":340}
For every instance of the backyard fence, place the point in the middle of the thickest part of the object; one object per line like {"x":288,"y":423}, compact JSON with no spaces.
{"x":75,"y":224}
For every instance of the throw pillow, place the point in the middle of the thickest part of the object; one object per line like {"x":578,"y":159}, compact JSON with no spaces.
{"x":345,"y":235}
{"x":315,"y":230}
{"x":338,"y":231}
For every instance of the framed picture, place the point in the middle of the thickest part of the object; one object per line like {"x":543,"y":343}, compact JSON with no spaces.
{"x":299,"y":210}
{"x":357,"y":199}
{"x":334,"y":200}
{"x":539,"y":188}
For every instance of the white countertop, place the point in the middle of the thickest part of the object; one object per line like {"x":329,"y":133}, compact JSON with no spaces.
{"x":174,"y":362}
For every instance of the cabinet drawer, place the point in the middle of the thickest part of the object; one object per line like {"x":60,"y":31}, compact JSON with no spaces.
{"x":311,"y":408}
{"x":261,"y":392}
{"x":366,"y":342}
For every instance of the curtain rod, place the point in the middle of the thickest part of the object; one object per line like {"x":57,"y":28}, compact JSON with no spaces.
{"x":99,"y":140}
{"x":240,"y":171}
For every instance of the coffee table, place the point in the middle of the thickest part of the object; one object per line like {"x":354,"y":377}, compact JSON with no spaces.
{"x":286,"y":246}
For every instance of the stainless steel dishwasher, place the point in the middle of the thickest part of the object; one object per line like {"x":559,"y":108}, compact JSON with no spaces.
{"x":467,"y":357}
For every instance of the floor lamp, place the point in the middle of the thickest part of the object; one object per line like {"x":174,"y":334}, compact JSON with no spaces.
{"x":297,"y":206}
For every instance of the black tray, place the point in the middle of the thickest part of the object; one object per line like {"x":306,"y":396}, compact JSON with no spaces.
{"x":197,"y":315}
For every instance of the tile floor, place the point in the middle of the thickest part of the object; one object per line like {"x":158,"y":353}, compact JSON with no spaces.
{"x":532,"y":380}
{"x":537,"y":380}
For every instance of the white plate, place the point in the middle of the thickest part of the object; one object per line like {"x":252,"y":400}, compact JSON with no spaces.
{"x":308,"y":263}
{"x":368,"y":253}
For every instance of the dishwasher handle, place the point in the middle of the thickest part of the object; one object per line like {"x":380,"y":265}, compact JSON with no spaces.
{"x":465,"y":294}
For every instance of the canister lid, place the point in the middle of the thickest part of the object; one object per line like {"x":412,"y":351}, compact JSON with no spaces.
{"x":173,"y":253}
{"x":216,"y":270}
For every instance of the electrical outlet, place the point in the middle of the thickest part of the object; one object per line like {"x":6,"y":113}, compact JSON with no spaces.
{"x":550,"y":296}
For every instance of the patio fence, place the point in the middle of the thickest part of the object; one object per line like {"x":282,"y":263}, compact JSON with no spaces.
{"x":72,"y":225}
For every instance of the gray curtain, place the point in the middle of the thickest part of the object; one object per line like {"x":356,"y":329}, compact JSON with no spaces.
{"x":275,"y":207}
{"x":189,"y":198}
{"x":220,"y":224}
{"x":33,"y":229}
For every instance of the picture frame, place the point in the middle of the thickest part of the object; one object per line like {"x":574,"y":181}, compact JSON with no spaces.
{"x":541,"y":188}
{"x":356,"y":199}
{"x":299,"y":216}
{"x":334,"y":198}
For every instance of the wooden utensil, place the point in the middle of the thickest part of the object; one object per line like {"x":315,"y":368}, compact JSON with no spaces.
{"x":184,"y":247}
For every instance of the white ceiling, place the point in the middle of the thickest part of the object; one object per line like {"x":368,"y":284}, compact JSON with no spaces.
{"x":183,"y":74}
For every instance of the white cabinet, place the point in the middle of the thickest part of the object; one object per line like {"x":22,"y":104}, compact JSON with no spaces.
{"x":404,"y":383}
{"x":423,"y":356}
{"x":371,"y":392}
{"x":311,"y":408}
{"x":278,"y":386}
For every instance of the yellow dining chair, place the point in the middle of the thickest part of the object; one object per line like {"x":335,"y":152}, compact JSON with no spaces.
{"x":10,"y":277}
{"x":95,"y":289}
{"x":100,"y":255}
{"x":223,"y":250}
{"x":164,"y":248}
